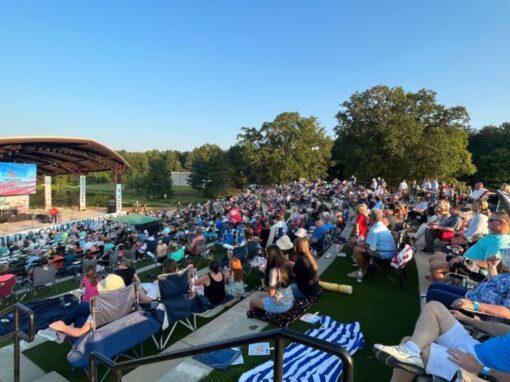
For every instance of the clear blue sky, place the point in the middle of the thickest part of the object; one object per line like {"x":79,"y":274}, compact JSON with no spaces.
{"x":174,"y":75}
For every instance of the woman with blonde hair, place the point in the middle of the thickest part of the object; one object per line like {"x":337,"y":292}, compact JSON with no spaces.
{"x":306,"y":271}
{"x":478,"y":226}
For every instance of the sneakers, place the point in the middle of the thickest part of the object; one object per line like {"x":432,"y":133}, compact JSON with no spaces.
{"x":353,"y":274}
{"x":400,"y":356}
{"x":51,"y":335}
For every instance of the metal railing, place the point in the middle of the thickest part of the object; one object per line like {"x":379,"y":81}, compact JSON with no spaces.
{"x":17,"y":334}
{"x":279,"y":335}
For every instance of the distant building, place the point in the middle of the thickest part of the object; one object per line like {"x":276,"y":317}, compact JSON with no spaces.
{"x":180,"y":178}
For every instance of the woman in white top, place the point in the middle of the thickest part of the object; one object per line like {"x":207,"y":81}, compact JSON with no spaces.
{"x":478,"y":226}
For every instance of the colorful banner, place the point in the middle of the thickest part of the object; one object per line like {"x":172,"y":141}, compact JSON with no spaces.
{"x":47,"y":192}
{"x":118,"y":198}
{"x":83,"y":193}
{"x":17,"y":179}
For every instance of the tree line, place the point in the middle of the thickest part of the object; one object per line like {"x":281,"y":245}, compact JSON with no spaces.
{"x":381,"y":131}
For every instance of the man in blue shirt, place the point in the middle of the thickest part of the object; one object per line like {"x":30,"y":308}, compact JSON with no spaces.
{"x":318,"y":235}
{"x":379,"y":240}
{"x":440,"y":345}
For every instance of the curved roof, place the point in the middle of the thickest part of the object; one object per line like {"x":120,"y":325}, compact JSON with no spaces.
{"x":61,"y":155}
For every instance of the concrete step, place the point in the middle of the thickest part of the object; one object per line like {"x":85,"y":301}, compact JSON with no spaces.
{"x":51,"y":377}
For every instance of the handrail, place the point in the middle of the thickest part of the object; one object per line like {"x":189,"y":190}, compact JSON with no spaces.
{"x":17,"y":334}
{"x":279,"y":335}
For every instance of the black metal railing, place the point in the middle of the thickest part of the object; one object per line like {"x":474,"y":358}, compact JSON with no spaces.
{"x":17,"y":334}
{"x":278,"y":335}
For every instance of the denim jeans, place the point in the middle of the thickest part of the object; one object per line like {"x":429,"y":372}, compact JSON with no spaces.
{"x":446,"y":294}
{"x":78,"y":315}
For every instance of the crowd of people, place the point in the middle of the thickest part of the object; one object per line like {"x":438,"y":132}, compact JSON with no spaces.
{"x":288,"y":227}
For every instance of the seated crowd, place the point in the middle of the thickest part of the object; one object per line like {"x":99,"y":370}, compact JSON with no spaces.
{"x":462,"y":231}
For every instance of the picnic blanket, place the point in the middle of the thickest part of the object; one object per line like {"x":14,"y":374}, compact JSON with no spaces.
{"x":284,"y":319}
{"x":305,"y":364}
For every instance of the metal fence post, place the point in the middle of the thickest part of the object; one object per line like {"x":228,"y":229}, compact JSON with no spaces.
{"x":16,"y":346}
{"x":278,"y":359}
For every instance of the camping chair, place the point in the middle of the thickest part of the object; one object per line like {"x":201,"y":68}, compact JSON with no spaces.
{"x":398,"y":263}
{"x":174,"y":289}
{"x":201,"y":250}
{"x":7,"y":288}
{"x":109,"y":306}
{"x":118,"y":325}
{"x":41,"y":277}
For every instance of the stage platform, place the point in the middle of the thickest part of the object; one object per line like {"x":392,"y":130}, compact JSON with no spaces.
{"x":66,"y":215}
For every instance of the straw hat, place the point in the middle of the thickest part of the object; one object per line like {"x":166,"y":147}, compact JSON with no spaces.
{"x":284,"y":243}
{"x":110,"y":283}
{"x":301,"y":232}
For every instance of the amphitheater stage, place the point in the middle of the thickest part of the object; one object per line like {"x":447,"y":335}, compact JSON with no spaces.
{"x":31,"y":223}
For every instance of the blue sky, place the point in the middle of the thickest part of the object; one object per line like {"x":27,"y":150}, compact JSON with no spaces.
{"x":151,"y":74}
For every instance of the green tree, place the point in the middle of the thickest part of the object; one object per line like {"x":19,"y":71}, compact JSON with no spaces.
{"x":211,"y":171}
{"x":396,"y":134}
{"x":491,"y":154}
{"x":159,"y":179}
{"x":286,"y":149}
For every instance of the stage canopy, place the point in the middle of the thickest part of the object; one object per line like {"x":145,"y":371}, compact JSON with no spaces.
{"x":136,"y":220}
{"x":62,"y":155}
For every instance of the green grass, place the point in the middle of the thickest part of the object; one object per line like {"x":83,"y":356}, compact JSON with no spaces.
{"x":386,"y":313}
{"x":99,"y":194}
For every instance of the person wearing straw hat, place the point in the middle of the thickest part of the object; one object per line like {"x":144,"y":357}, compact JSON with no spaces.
{"x":79,"y":316}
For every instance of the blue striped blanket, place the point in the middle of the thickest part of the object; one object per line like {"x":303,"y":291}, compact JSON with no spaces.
{"x":305,"y":364}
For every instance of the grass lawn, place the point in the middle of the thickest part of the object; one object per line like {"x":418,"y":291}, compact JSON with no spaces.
{"x":99,"y":194}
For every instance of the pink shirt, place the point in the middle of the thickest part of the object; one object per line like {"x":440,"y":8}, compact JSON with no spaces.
{"x":90,"y":290}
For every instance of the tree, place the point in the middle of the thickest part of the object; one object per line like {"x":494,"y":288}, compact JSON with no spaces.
{"x":211,"y":171}
{"x":396,"y":134}
{"x":158,"y":181}
{"x":491,"y":154}
{"x":286,"y":149}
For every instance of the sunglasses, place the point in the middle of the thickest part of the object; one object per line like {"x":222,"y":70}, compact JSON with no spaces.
{"x":495,"y":220}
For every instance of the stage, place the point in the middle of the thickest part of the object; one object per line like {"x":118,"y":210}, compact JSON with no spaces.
{"x":66,"y":215}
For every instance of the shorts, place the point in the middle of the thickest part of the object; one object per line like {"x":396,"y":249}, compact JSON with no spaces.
{"x":439,"y":362}
{"x":272,"y":307}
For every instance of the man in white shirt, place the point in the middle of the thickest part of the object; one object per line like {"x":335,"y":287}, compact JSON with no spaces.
{"x":403,"y":186}
{"x":478,"y":191}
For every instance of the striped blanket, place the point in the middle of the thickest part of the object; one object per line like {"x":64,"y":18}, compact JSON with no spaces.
{"x":304,"y":364}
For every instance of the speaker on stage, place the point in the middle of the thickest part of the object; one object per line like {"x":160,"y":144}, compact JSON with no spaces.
{"x":110,"y":207}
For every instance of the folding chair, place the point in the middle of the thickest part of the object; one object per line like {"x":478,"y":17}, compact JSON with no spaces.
{"x":179,"y":303}
{"x":41,"y":277}
{"x":7,"y":292}
{"x":374,"y":268}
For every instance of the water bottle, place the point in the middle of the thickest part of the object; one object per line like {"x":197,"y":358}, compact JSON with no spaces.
{"x":359,"y":276}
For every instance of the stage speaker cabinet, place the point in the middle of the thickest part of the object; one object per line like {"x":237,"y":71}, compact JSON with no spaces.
{"x":110,"y":207}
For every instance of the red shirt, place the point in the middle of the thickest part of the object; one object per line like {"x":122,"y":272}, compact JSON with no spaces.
{"x":361,"y":221}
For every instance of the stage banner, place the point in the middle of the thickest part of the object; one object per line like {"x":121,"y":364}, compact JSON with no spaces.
{"x":118,"y":198}
{"x":47,"y":192}
{"x":17,"y":179}
{"x":83,"y":193}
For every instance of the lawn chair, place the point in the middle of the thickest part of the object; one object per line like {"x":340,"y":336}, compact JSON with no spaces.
{"x":397,"y":263}
{"x":179,"y":302}
{"x":7,"y":291}
{"x":118,"y":325}
{"x":41,"y":277}
{"x":201,"y":250}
